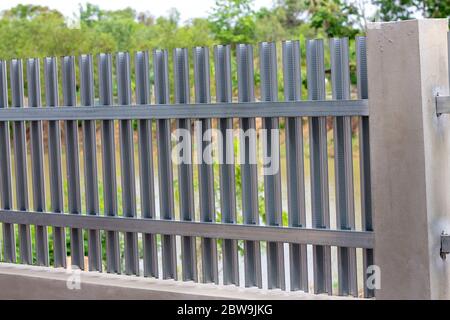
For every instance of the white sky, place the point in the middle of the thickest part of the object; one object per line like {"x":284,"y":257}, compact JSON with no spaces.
{"x":187,"y":8}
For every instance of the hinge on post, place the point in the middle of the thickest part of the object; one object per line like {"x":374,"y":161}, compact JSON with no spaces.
{"x":442,"y":104}
{"x":445,"y":245}
{"x":438,"y":113}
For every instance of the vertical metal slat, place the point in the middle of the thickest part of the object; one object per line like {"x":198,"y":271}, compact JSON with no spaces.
{"x":127,"y":162}
{"x":185,"y":175}
{"x":222,"y":58}
{"x":37,"y":159}
{"x":90,"y":161}
{"x":364,"y":156}
{"x":319,"y":165}
{"x":20,"y":160}
{"x":72,"y":161}
{"x":145,"y":149}
{"x":252,"y":251}
{"x":295,"y":165}
{"x":165,"y":175}
{"x":206,"y":172}
{"x":54,"y":158}
{"x":272,"y":177}
{"x":109,"y":163}
{"x":343,"y":162}
{"x":9,"y":239}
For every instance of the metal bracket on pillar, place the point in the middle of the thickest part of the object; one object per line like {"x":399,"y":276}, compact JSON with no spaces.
{"x":442,"y":104}
{"x":445,"y":245}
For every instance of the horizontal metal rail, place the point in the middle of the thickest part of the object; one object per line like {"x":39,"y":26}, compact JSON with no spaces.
{"x":206,"y":110}
{"x":339,"y":238}
{"x":442,"y":104}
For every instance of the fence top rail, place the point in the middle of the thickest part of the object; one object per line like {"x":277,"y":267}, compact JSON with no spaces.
{"x":200,"y":110}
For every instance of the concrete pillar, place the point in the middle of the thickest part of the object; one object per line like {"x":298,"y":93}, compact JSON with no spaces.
{"x":410,"y":156}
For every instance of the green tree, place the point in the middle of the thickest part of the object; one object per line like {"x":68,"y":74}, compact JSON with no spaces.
{"x":270,"y":26}
{"x":35,"y":31}
{"x":233,"y":21}
{"x":28,"y":12}
{"x":390,"y":10}
{"x":121,"y":25}
{"x":89,"y":14}
{"x":337,"y":18}
{"x":291,"y":12}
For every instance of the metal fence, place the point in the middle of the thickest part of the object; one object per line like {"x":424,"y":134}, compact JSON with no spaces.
{"x":159,"y":238}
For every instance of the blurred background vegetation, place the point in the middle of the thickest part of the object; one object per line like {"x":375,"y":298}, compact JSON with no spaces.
{"x":37,"y":31}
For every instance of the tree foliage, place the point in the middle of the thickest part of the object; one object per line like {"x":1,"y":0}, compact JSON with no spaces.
{"x":292,"y":12}
{"x":31,"y":30}
{"x":233,"y":21}
{"x":336,"y":17}
{"x":36,"y":31}
{"x":390,"y":10}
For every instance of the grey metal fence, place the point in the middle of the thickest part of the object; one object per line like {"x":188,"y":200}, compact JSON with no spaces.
{"x":156,"y":235}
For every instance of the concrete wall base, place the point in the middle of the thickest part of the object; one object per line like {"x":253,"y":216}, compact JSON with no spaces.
{"x":32,"y":282}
